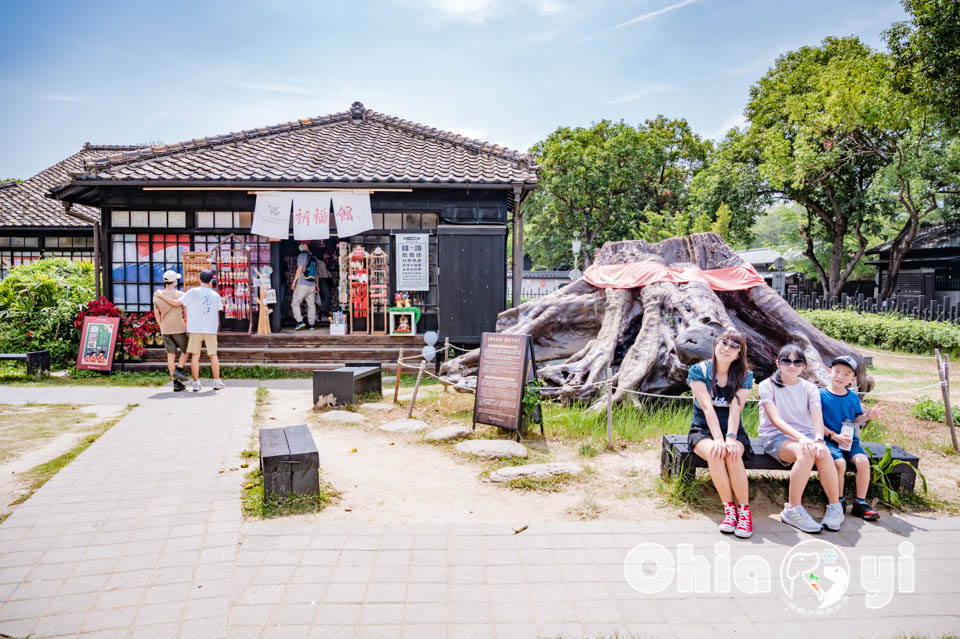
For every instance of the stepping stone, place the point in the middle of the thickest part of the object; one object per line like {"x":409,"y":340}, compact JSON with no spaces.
{"x":448,"y":432}
{"x":492,"y":448}
{"x":380,"y":408}
{"x":404,"y":426}
{"x":342,"y":417}
{"x":535,"y":470}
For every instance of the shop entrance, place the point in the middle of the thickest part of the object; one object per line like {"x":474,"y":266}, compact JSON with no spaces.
{"x":326,"y":299}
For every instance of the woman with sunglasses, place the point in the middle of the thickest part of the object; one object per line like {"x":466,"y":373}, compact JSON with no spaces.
{"x":791,"y":429}
{"x":720,"y":388}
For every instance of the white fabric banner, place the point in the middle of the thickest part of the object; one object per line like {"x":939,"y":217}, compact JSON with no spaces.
{"x":413,"y":262}
{"x":352,"y":212}
{"x":311,"y":215}
{"x":271,"y":215}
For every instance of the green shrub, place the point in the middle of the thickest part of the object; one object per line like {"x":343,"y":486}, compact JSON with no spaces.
{"x":932,"y":410}
{"x":38,"y":304}
{"x":888,"y":331}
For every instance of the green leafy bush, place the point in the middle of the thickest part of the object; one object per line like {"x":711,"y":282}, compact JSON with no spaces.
{"x":932,"y":410}
{"x":38,"y":304}
{"x":888,"y":331}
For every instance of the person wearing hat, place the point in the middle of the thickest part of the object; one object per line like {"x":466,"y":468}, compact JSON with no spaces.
{"x":304,"y":287}
{"x":173,"y":328}
{"x":203,"y":306}
{"x":841,"y":405}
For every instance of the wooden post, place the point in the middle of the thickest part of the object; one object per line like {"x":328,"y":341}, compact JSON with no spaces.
{"x":943,"y":372}
{"x":396,"y":385}
{"x":413,"y":400}
{"x":609,"y":410}
{"x":446,"y":356}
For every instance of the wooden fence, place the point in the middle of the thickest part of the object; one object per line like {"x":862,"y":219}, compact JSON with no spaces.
{"x":917,"y":306}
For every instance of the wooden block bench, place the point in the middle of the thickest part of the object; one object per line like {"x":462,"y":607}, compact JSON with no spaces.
{"x":349,"y":381}
{"x":36,"y":360}
{"x":289,"y":461}
{"x":677,"y":459}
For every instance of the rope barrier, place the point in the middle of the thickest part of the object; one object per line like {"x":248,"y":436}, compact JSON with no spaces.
{"x":862,"y":350}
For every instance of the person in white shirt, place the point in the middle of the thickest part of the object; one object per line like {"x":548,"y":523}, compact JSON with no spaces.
{"x":203,"y":306}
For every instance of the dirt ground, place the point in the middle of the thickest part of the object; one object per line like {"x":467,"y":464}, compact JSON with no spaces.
{"x":388,"y":477}
{"x":34,"y":434}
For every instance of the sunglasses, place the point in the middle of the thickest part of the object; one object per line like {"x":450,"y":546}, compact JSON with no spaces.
{"x":734,"y":345}
{"x":786,"y":361}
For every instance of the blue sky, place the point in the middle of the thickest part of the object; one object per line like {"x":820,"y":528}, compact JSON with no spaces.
{"x":507,"y":71}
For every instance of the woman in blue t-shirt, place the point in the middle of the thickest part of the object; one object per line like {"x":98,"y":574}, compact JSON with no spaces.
{"x":720,"y":388}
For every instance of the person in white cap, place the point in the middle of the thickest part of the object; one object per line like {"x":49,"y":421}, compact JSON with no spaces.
{"x":304,"y":288}
{"x":173,"y":328}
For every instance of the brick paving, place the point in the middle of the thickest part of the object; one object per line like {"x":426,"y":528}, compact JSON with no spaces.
{"x":142,"y":536}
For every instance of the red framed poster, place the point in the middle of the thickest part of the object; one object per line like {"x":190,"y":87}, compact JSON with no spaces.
{"x":98,"y":340}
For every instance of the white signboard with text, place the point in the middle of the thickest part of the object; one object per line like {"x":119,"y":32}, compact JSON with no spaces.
{"x":413,"y":262}
{"x":311,"y":215}
{"x":352,"y":213}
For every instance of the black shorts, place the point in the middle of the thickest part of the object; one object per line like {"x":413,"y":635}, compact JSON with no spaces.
{"x":175,"y":341}
{"x":698,"y":433}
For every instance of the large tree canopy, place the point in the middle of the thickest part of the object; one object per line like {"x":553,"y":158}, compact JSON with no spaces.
{"x":609,"y":182}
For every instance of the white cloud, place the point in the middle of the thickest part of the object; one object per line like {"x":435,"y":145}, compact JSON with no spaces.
{"x":642,"y":93}
{"x":479,"y":11}
{"x":472,"y":11}
{"x":276,"y":88}
{"x":66,"y":98}
{"x":643,"y":18}
{"x":476,"y":134}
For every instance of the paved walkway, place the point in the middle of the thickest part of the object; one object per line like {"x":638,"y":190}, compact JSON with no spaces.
{"x":141,"y":536}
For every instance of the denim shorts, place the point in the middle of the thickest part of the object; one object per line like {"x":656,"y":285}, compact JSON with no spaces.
{"x":772,"y":445}
{"x":848,"y":455}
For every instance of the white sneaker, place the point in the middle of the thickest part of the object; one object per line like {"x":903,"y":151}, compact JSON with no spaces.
{"x":197,"y":387}
{"x":833,"y":517}
{"x":799,"y":518}
{"x":218,"y":385}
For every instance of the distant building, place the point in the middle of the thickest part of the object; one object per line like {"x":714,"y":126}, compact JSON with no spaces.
{"x":931,"y":267}
{"x":540,"y":283}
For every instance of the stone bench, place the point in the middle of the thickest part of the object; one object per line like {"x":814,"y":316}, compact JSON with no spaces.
{"x":289,"y":461}
{"x":677,"y":459}
{"x":348,"y":382}
{"x":36,"y":361}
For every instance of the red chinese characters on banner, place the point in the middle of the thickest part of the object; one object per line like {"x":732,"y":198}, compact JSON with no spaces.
{"x":321,"y":216}
{"x":302,"y":217}
{"x":345,"y":214}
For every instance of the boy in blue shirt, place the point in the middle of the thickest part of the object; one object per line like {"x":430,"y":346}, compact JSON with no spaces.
{"x":839,"y":405}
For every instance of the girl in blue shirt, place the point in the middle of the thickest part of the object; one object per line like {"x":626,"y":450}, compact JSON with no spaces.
{"x":720,"y":388}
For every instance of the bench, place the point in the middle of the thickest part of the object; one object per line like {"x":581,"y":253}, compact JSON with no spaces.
{"x":36,"y":360}
{"x":677,"y":459}
{"x":289,"y":461}
{"x":347,"y":382}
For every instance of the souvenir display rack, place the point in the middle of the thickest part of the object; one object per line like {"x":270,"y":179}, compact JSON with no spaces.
{"x":234,"y":279}
{"x":379,"y":285}
{"x":359,"y":292}
{"x":193,"y":263}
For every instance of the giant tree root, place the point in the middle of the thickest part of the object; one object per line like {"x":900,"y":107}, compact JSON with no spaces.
{"x":648,"y":337}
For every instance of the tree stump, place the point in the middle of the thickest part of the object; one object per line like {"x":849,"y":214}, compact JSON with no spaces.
{"x":650,"y":336}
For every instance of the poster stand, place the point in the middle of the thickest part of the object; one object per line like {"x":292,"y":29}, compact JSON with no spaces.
{"x":98,"y":343}
{"x":507,"y":362}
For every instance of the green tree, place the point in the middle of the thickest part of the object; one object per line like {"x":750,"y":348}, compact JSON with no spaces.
{"x":610,"y":182}
{"x":801,"y":122}
{"x":926,"y":50}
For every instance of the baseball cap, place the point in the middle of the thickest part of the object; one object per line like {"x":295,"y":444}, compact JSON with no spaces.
{"x":846,"y":360}
{"x":206,"y":276}
{"x":170,"y":276}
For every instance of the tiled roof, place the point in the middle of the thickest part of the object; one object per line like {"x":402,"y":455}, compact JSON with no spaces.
{"x":25,"y":204}
{"x":358,"y":145}
{"x":930,"y":235}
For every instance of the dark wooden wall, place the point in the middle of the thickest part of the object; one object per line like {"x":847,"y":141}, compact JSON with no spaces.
{"x":472,"y":281}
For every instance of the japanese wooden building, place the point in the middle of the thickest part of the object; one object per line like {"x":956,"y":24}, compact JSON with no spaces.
{"x":32,"y":226}
{"x":158,"y":202}
{"x":930,"y":269}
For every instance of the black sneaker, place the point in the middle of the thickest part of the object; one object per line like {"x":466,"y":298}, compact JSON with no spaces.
{"x":312,"y":327}
{"x":178,"y":386}
{"x":180,"y":375}
{"x":863,"y":509}
{"x":300,"y":326}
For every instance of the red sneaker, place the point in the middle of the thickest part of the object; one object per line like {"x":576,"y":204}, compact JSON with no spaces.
{"x":729,"y":523}
{"x":744,"y":522}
